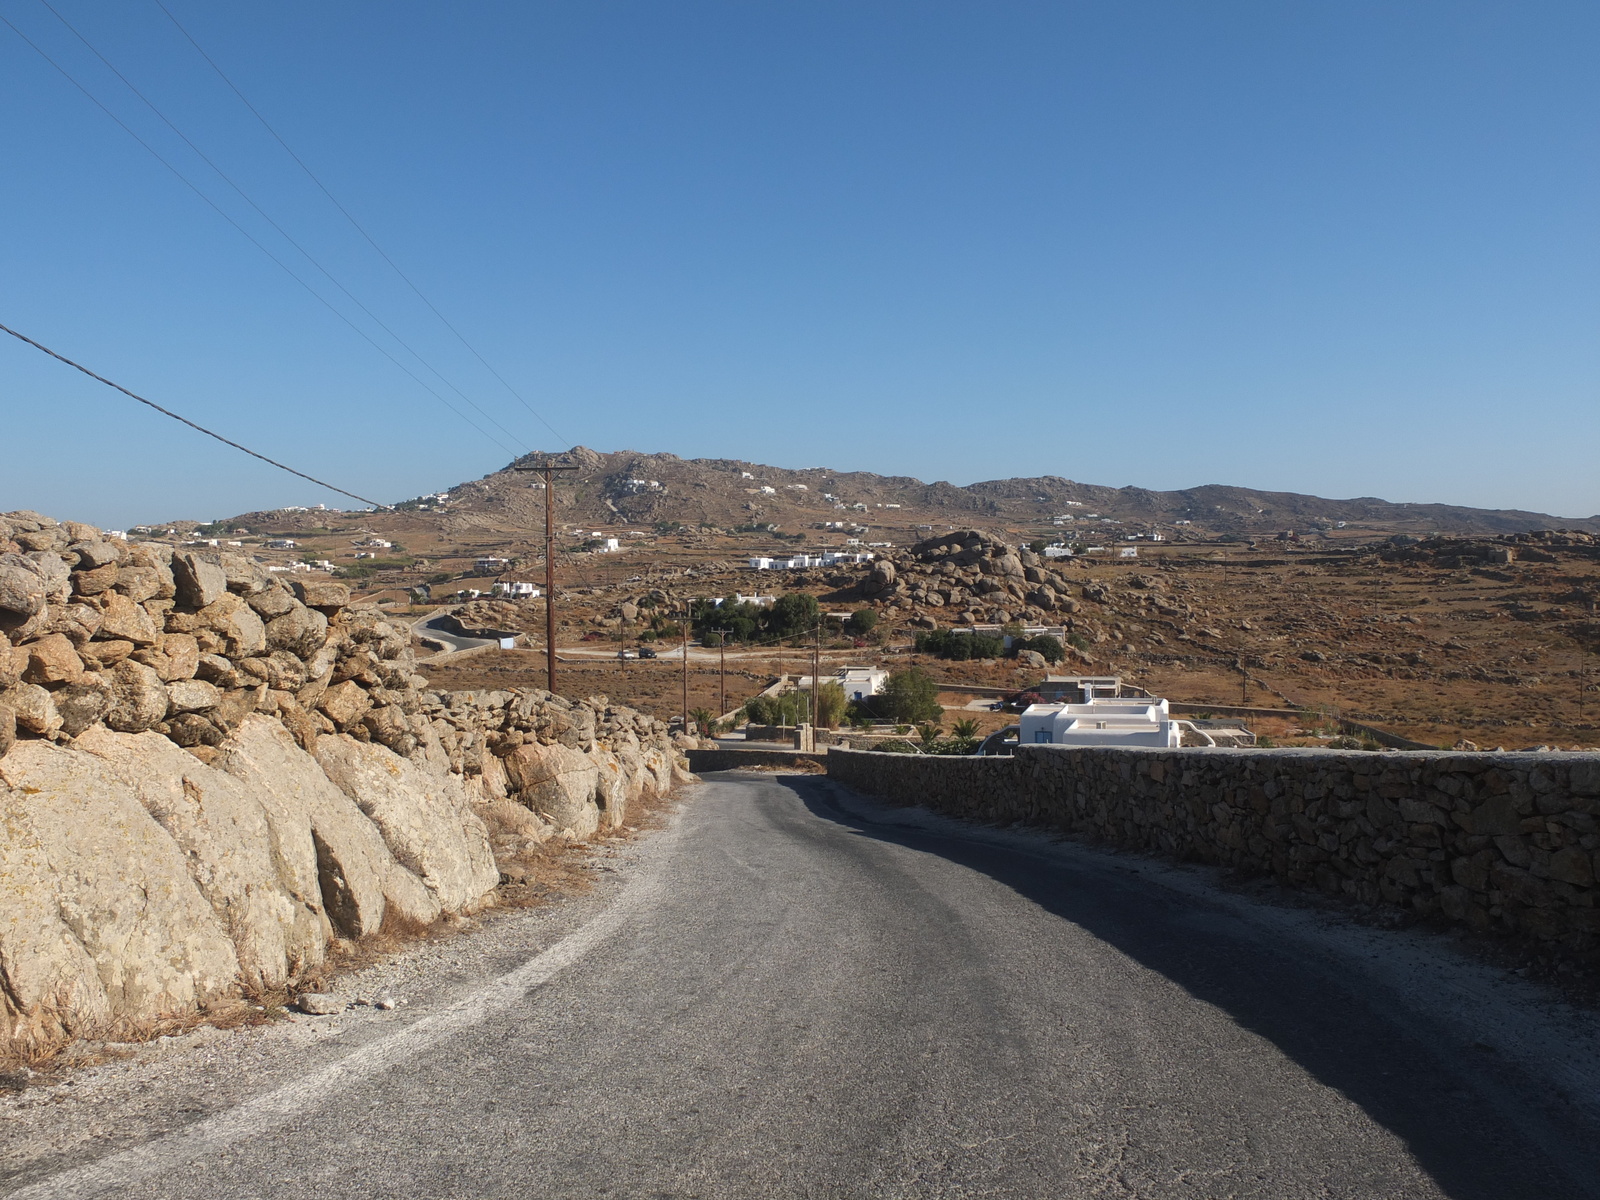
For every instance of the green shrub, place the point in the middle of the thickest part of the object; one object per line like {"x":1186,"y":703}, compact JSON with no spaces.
{"x":909,"y":696}
{"x":861,"y":622}
{"x":959,"y":647}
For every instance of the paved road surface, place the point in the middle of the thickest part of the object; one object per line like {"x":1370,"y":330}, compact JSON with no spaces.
{"x":429,"y":627}
{"x":791,"y":1001}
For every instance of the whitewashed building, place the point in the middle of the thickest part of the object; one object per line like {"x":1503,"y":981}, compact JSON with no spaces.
{"x":1097,"y":722}
{"x":861,"y":682}
{"x":514,"y":589}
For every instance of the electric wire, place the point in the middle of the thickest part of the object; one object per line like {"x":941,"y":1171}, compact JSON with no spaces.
{"x":166,"y":412}
{"x":359,"y":228}
{"x":282,"y":232}
{"x":289,"y":271}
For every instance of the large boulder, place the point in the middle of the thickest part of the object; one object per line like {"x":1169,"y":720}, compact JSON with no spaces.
{"x":424,"y":817}
{"x":224,"y":832}
{"x":558,"y":782}
{"x":103,"y":921}
{"x":301,"y":631}
{"x":199,"y":581}
{"x":123,"y":620}
{"x":22,"y":590}
{"x":334,"y":855}
{"x":138,"y":697}
{"x":52,"y":660}
{"x":236,"y":624}
{"x":33,"y":707}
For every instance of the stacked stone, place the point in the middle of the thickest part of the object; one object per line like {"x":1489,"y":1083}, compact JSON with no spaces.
{"x":1505,"y":842}
{"x":208,"y":776}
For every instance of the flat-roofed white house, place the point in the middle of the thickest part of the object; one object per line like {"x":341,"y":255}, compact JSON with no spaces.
{"x":515,"y":589}
{"x":1096,"y":722}
{"x":861,"y":682}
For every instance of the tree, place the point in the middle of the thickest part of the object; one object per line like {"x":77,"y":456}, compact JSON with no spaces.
{"x":831,"y":706}
{"x":947,"y":643}
{"x":965,"y":728}
{"x":703,"y":717}
{"x":909,"y":696}
{"x":861,"y":622}
{"x":795,"y":612}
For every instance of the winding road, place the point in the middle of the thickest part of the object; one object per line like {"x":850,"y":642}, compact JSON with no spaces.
{"x":798,"y":994}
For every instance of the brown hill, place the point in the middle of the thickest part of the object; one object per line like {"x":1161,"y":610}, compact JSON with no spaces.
{"x":631,"y":488}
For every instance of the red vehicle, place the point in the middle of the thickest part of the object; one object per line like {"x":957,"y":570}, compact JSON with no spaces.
{"x":593,"y":636}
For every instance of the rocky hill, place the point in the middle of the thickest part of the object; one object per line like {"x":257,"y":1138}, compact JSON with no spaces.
{"x":629,"y":488}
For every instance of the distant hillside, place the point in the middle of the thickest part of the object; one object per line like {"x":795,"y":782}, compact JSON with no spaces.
{"x":628,"y":487}
{"x":632,"y":489}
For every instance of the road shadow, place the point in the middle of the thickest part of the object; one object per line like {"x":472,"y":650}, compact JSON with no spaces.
{"x":1459,"y":1110}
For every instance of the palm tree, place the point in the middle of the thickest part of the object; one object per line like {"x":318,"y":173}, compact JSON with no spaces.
{"x":703,"y":718}
{"x":966,"y":728}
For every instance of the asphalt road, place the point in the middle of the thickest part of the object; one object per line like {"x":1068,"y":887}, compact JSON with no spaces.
{"x":795,"y":1001}
{"x":429,"y":627}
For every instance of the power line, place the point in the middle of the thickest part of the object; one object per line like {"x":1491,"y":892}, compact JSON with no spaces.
{"x":359,"y":228}
{"x":245,"y":233}
{"x":223,"y":175}
{"x":169,"y":413}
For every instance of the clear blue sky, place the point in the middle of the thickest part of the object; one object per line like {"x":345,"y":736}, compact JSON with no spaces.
{"x":1342,"y":247}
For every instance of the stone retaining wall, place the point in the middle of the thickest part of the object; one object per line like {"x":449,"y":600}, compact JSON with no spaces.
{"x":1507,"y":842}
{"x":729,"y":759}
{"x":210,"y":775}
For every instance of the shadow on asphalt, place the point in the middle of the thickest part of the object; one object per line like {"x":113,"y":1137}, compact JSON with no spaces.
{"x":1435,"y":1096}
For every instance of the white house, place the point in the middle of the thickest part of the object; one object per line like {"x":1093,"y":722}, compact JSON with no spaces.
{"x":1127,"y":552}
{"x":510,"y":589}
{"x":761,"y":563}
{"x":861,"y":682}
{"x":608,"y":546}
{"x":1058,"y":551}
{"x":1097,"y":722}
{"x":281,"y":544}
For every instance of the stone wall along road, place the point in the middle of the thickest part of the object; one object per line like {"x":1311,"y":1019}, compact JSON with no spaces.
{"x":1507,"y":842}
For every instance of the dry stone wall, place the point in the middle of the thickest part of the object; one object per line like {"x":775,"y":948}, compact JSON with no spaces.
{"x":209,"y":774}
{"x":1507,"y":842}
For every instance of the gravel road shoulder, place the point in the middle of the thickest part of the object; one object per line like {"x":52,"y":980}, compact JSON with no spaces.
{"x":140,"y":1091}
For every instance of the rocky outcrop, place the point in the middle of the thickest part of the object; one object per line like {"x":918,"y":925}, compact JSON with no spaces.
{"x":207,"y":775}
{"x":969,"y":576}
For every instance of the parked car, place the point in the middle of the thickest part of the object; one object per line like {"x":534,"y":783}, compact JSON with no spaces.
{"x":594,"y":635}
{"x":646,"y":652}
{"x":625,"y":653}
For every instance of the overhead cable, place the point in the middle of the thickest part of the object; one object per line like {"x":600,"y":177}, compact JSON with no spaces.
{"x":359,"y":228}
{"x":223,"y":213}
{"x":169,"y":413}
{"x":226,"y":178}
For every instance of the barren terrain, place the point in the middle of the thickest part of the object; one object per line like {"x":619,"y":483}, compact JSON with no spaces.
{"x":1441,"y":624}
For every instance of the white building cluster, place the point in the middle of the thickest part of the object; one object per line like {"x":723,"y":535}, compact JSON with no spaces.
{"x":801,"y":562}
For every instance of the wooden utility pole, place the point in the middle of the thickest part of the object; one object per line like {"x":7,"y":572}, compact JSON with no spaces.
{"x":545,"y":469}
{"x":816,"y":674}
{"x":686,"y":611}
{"x":722,"y":669}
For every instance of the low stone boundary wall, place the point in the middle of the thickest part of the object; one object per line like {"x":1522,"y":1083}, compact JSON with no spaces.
{"x":1506,"y":842}
{"x":701,"y":761}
